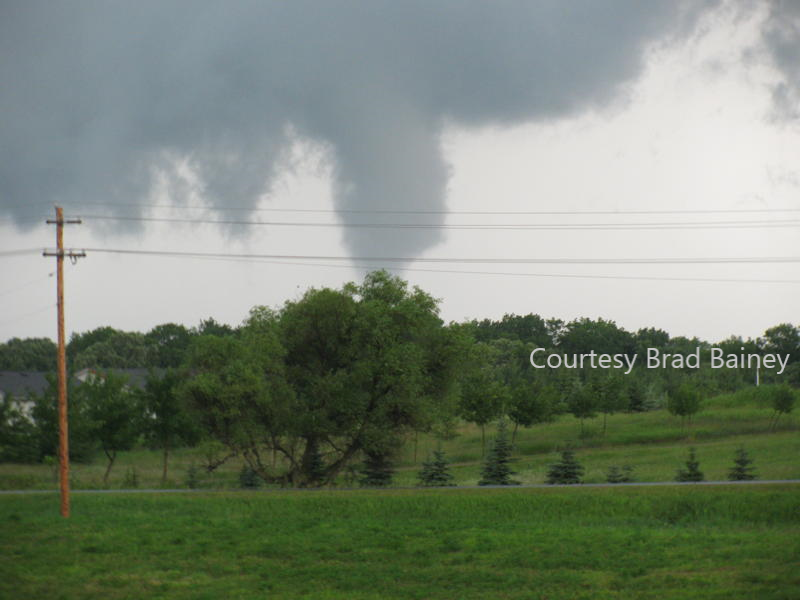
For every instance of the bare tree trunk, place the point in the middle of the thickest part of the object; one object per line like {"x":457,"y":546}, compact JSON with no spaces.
{"x":112,"y":456}
{"x":166,"y":458}
{"x":514,"y":434}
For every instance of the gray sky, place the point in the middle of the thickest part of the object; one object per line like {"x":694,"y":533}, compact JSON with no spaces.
{"x":205,"y":111}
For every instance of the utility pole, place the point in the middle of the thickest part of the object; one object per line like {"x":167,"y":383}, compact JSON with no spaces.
{"x":63,"y":433}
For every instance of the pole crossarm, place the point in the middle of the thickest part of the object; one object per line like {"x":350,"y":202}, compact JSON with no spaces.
{"x":67,"y":253}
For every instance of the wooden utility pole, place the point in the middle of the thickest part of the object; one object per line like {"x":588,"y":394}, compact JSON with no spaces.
{"x":63,"y":433}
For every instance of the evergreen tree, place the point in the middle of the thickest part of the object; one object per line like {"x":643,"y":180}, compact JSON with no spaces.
{"x":313,"y":464}
{"x":248,"y":478}
{"x":496,"y":469}
{"x":567,"y":471}
{"x":743,"y":469}
{"x":692,"y":471}
{"x":436,"y":472}
{"x":377,"y":470}
{"x":619,"y":475}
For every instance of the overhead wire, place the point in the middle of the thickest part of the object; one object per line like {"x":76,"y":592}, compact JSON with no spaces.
{"x":466,"y":226}
{"x":446,"y":212}
{"x":463,"y":260}
{"x":506,"y":273}
{"x":25,"y":285}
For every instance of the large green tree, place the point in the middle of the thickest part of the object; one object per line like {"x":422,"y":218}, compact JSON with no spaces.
{"x":331,"y":377}
{"x":484,"y":393}
{"x":167,"y":423}
{"x":114,"y":413}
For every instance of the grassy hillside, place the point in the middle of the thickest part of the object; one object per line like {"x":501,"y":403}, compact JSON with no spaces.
{"x":653,"y":443}
{"x":684,"y":542}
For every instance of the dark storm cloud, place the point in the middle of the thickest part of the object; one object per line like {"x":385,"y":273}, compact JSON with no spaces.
{"x":782,"y":38}
{"x":95,"y":95}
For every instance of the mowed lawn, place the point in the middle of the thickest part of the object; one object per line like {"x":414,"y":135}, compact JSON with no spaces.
{"x":666,"y":542}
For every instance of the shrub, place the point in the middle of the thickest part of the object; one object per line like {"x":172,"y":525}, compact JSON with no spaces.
{"x":692,"y":471}
{"x":436,"y":472}
{"x":743,"y":469}
{"x":131,"y":480}
{"x":567,"y":471}
{"x":496,"y":469}
{"x":616,"y":474}
{"x":248,"y":478}
{"x":377,"y":470}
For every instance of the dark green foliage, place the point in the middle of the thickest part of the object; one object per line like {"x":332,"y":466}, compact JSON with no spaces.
{"x":600,"y":336}
{"x":131,"y":480}
{"x":483,"y":392}
{"x":193,"y":476}
{"x":353,"y":370}
{"x":782,"y":399}
{"x":113,"y":350}
{"x":532,"y":403}
{"x":314,"y":464}
{"x":783,"y":339}
{"x":636,"y":392}
{"x":436,"y":472}
{"x":616,"y":474}
{"x":692,"y":471}
{"x":82,"y":441}
{"x":567,"y":471}
{"x":684,"y":401}
{"x":211,"y":327}
{"x":609,"y":394}
{"x":113,"y":411}
{"x":29,"y":354}
{"x":743,"y":469}
{"x":167,"y":422}
{"x":496,"y":469}
{"x":168,"y":344}
{"x":377,"y":470}
{"x":582,"y":403}
{"x":248,"y":478}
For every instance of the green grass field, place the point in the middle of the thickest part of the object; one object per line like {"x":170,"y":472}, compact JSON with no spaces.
{"x":666,"y":542}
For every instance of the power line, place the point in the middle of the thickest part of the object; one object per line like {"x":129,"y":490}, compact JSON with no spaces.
{"x":505,"y":273}
{"x":28,"y":314}
{"x":447,"y":212}
{"x":25,"y":285}
{"x":19,"y":252}
{"x":486,"y":227}
{"x":462,"y":260}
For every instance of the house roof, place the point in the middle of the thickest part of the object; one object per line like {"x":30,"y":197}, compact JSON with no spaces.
{"x":24,"y":383}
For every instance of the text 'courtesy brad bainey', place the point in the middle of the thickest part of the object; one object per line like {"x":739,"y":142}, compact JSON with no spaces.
{"x":540,"y":358}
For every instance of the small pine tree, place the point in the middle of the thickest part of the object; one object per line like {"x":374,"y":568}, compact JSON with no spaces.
{"x":743,"y":469}
{"x":193,"y":476}
{"x":567,"y":471}
{"x":248,"y":478}
{"x":131,"y":480}
{"x":314,"y":465}
{"x":436,"y":472}
{"x":377,"y":470}
{"x":692,"y":471}
{"x":496,"y":469}
{"x":616,"y":474}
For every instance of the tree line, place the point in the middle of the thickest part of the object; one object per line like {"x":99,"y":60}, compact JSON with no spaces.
{"x":303,"y":392}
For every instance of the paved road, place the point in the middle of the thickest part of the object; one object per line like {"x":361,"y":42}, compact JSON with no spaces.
{"x":462,"y":487}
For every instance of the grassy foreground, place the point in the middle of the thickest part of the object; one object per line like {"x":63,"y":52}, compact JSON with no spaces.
{"x":676,"y":542}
